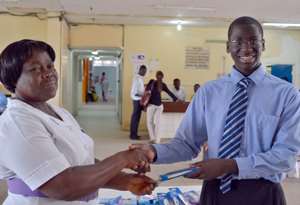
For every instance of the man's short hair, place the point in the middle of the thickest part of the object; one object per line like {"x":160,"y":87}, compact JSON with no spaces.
{"x":245,"y":20}
{"x":142,"y":67}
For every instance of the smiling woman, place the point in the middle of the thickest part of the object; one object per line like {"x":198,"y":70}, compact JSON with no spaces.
{"x":45,"y":157}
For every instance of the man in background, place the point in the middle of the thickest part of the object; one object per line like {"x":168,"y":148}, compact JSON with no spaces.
{"x":137,"y":91}
{"x":104,"y":87}
{"x":178,"y":90}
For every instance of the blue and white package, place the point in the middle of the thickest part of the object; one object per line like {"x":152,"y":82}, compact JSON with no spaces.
{"x":178,"y":196}
{"x":162,"y":199}
{"x":192,"y":197}
{"x":178,"y":173}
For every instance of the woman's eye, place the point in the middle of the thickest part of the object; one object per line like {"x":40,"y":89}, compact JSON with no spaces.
{"x":35,"y":69}
{"x":50,"y":66}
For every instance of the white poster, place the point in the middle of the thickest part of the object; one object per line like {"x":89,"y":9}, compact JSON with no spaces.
{"x":153,"y":64}
{"x":137,"y":60}
{"x":196,"y":58}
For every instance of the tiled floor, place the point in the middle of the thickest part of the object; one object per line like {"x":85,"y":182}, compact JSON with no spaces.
{"x":109,"y":139}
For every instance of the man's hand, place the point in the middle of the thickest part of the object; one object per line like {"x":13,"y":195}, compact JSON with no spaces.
{"x":146,"y":149}
{"x":213,"y":168}
{"x":140,"y":184}
{"x":136,"y":160}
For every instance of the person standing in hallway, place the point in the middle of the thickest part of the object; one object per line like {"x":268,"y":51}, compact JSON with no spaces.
{"x":137,"y":91}
{"x":104,"y":86}
{"x":178,"y":90}
{"x":155,"y":106}
{"x":46,"y":158}
{"x":251,"y":122}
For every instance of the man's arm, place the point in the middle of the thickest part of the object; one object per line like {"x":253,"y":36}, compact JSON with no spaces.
{"x":189,"y":137}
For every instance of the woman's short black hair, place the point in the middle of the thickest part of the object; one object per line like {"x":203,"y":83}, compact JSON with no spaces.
{"x":15,"y":55}
{"x":160,"y":73}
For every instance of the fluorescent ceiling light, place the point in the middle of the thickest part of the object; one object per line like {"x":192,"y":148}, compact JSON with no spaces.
{"x":179,"y":27}
{"x":178,"y":22}
{"x":282,"y":25}
{"x":95,"y":52}
{"x":208,"y":9}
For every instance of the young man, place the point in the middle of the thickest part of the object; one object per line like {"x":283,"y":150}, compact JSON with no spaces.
{"x":137,"y":92}
{"x":250,"y":120}
{"x":178,"y":90}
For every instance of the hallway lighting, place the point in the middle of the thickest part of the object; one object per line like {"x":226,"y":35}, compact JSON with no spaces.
{"x":95,"y":52}
{"x":179,"y":27}
{"x":104,"y":63}
{"x":282,"y":25}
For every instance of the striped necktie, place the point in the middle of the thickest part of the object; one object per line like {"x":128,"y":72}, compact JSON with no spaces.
{"x":234,"y":129}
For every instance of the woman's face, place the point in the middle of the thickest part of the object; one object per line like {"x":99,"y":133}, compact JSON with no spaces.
{"x":159,"y":77}
{"x":38,"y":80}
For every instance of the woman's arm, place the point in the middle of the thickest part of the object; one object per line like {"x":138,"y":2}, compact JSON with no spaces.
{"x":79,"y":181}
{"x":166,"y":89}
{"x":135,"y":183}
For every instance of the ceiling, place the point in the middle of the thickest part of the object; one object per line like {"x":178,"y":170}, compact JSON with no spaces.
{"x":191,"y":12}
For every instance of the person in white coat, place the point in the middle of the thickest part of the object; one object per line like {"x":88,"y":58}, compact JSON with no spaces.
{"x":45,"y":157}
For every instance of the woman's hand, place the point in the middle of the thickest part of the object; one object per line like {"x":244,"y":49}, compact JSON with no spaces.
{"x":213,"y":168}
{"x":140,"y":184}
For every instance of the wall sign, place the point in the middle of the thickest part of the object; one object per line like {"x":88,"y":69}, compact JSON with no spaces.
{"x":196,"y":58}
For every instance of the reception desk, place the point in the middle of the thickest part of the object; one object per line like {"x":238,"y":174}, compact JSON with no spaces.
{"x":171,"y":118}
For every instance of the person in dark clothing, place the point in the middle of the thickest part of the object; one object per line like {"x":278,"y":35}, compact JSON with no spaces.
{"x":155,"y":106}
{"x":137,"y":91}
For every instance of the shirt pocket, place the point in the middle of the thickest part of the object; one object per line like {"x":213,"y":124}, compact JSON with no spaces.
{"x":261,"y":132}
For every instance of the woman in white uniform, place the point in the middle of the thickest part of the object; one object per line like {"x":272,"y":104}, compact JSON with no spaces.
{"x":44,"y":155}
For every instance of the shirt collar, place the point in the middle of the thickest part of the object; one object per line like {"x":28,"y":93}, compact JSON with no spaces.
{"x":139,"y":76}
{"x":257,"y":76}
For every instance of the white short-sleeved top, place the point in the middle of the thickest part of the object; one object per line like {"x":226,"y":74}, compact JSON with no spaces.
{"x":35,"y":147}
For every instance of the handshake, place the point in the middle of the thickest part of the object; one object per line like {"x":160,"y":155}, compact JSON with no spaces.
{"x":138,"y":158}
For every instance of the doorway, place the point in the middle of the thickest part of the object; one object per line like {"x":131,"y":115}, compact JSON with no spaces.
{"x":96,"y":81}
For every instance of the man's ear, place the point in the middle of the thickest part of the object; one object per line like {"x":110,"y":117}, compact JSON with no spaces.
{"x":263,"y":45}
{"x":227,"y":47}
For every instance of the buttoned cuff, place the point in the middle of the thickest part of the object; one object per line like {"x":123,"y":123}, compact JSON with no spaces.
{"x":245,"y":165}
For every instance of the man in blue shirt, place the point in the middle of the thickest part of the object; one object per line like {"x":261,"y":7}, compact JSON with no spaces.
{"x":250,"y":120}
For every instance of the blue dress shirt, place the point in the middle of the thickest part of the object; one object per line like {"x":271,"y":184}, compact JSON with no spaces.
{"x":271,"y":138}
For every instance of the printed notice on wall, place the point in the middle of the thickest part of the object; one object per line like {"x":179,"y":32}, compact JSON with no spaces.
{"x":196,"y":58}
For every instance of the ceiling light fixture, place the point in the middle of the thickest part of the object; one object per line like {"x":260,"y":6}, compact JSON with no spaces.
{"x":207,"y":9}
{"x":282,"y":25}
{"x":179,"y":27}
{"x":95,"y":52}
